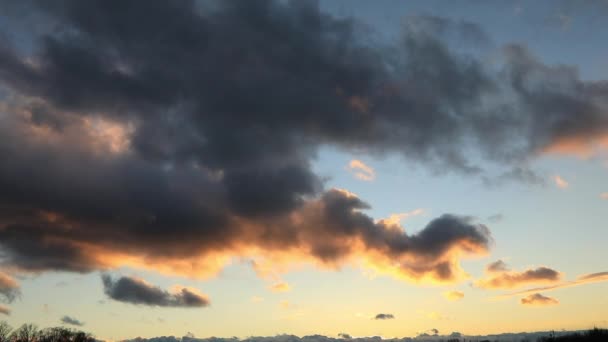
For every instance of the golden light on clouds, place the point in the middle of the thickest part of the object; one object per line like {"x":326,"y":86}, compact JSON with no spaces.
{"x":280,"y":287}
{"x":395,"y":219}
{"x":361,"y":171}
{"x":453,"y":295}
{"x":583,"y":147}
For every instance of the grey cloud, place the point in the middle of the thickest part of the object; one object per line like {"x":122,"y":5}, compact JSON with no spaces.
{"x":71,"y":321}
{"x":497,"y":266}
{"x":223,"y":108}
{"x":136,"y":291}
{"x":384,"y":316}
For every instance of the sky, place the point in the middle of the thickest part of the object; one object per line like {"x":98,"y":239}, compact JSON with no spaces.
{"x":255,"y":168}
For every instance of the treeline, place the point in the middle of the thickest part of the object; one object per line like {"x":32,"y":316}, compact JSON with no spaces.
{"x":31,"y":333}
{"x":594,"y":335}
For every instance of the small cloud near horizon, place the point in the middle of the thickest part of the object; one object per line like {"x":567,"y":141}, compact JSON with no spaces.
{"x":71,"y":321}
{"x":538,"y":299}
{"x":384,"y":316}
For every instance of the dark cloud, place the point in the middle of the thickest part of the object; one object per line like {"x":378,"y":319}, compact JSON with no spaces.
{"x":383,"y":316}
{"x":538,"y":299}
{"x":499,"y":277}
{"x":9,"y":288}
{"x":189,"y":132}
{"x":345,"y":336}
{"x":71,"y":321}
{"x":581,"y":280}
{"x":497,"y":266}
{"x":136,"y":291}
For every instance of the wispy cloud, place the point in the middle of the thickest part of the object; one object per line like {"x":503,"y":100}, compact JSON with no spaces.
{"x":498,"y":276}
{"x":360,"y":170}
{"x":280,"y":287}
{"x":538,"y":299}
{"x":395,"y":219}
{"x":581,"y":280}
{"x":560,"y":182}
{"x":453,"y":295}
{"x":604,"y":195}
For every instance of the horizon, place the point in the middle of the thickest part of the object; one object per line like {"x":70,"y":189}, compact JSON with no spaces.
{"x":265,"y":167}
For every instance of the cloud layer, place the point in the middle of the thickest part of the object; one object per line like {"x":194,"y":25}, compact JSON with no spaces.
{"x":185,"y":139}
{"x":137,"y":291}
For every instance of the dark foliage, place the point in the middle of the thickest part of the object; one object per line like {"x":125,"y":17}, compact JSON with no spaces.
{"x":594,"y":335}
{"x":31,"y":333}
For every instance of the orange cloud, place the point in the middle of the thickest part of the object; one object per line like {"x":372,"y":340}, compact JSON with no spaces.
{"x":9,"y":288}
{"x":5,"y":310}
{"x":538,"y":299}
{"x":395,"y":219}
{"x":360,"y":170}
{"x":499,"y":277}
{"x":280,"y":287}
{"x":453,"y":295}
{"x":560,"y":182}
{"x":581,"y":146}
{"x":604,"y":195}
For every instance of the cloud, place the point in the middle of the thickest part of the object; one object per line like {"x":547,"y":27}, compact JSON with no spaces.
{"x":137,"y":291}
{"x":280,"y":287}
{"x":360,"y":170}
{"x":71,"y":321}
{"x":604,"y":195}
{"x":560,"y":182}
{"x":9,"y":288}
{"x":345,"y":336}
{"x":581,"y":280}
{"x":4,"y":310}
{"x":498,"y":276}
{"x":453,"y":295}
{"x":538,"y":299}
{"x":395,"y":219}
{"x":497,"y":266}
{"x":124,"y":150}
{"x":384,"y":316}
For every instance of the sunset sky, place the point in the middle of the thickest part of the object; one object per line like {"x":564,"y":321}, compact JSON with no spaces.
{"x":254,"y":168}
